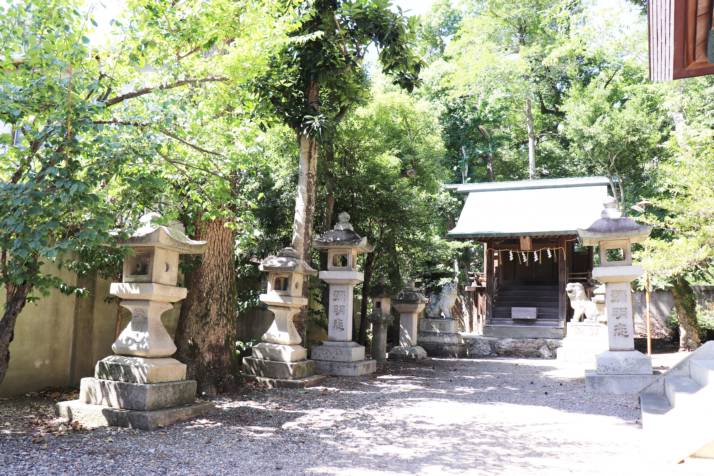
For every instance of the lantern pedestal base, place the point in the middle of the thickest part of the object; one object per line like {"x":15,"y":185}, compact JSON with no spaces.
{"x":93,"y":416}
{"x":121,"y":368}
{"x":403,"y":352}
{"x":267,"y":382}
{"x":620,"y":372}
{"x":279,"y":352}
{"x":346,"y":369}
{"x":342,"y":358}
{"x":616,"y":384}
{"x":144,"y":406}
{"x":274,"y":373}
{"x":440,"y":337}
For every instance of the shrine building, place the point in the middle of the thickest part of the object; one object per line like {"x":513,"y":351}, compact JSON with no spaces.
{"x":529,"y":231}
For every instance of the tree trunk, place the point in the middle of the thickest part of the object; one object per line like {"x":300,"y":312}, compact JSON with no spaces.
{"x":366,"y":286}
{"x":305,"y":202}
{"x":328,"y":149}
{"x":531,"y":141}
{"x":489,"y":166}
{"x":305,"y":197}
{"x":206,"y":327}
{"x":307,"y":172}
{"x":16,"y":298}
{"x":686,"y":306}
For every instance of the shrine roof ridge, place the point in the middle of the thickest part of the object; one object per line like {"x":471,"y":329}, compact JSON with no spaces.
{"x":567,"y":182}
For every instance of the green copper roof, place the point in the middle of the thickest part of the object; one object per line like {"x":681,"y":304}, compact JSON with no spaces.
{"x":547,"y":207}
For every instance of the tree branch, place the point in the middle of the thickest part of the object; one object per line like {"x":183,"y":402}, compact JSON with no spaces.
{"x":191,"y":145}
{"x":117,"y":122}
{"x":179,"y":163}
{"x":162,"y":87}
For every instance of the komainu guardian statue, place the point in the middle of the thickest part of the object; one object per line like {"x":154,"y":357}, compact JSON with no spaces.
{"x":440,"y":305}
{"x":582,"y":306}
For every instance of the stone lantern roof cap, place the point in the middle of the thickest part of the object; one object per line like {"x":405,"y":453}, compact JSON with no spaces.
{"x":379,"y":290}
{"x":410,"y":295}
{"x":170,"y":237}
{"x":343,"y":236}
{"x":613,"y":226}
{"x":287,"y":260}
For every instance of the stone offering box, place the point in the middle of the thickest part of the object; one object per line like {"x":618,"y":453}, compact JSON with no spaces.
{"x":142,"y":386}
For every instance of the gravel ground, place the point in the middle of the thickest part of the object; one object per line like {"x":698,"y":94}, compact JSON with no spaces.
{"x":480,"y":417}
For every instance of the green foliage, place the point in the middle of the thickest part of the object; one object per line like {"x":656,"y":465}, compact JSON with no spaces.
{"x":387,"y":170}
{"x":683,"y":211}
{"x":57,"y":162}
{"x":578,"y":63}
{"x":615,"y":125}
{"x":319,"y":74}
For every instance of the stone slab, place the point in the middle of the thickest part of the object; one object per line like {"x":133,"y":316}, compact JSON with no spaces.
{"x":630,"y":362}
{"x":346,"y":369}
{"x":139,"y":369}
{"x":583,"y":342}
{"x":616,"y":384}
{"x":279,"y":352}
{"x":578,"y":355}
{"x":135,"y":396}
{"x":481,"y":346}
{"x":440,"y":338}
{"x":93,"y":416}
{"x":338,"y":352}
{"x":523,"y":332}
{"x":445,"y":350}
{"x":524,"y":313}
{"x":438,"y":325}
{"x":401,"y":352}
{"x":310,"y":381}
{"x":587,"y":330}
{"x":278,"y":370}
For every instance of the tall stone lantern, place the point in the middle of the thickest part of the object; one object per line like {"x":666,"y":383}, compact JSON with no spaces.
{"x":141,"y":386}
{"x":621,"y":369}
{"x":409,"y":303}
{"x":279,"y":360}
{"x":339,"y":355}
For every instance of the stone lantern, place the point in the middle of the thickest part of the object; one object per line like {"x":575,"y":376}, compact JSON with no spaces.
{"x":381,"y":318}
{"x":409,"y":303}
{"x":338,"y":355}
{"x":142,"y":386}
{"x":621,"y":369}
{"x":279,"y":360}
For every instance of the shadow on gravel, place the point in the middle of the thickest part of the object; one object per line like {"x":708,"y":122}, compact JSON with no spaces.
{"x":460,"y":415}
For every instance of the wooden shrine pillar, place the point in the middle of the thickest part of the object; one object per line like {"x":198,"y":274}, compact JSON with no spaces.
{"x":490,"y":277}
{"x":562,"y":280}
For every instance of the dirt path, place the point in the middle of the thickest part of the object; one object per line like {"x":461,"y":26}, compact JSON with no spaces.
{"x":480,"y":417}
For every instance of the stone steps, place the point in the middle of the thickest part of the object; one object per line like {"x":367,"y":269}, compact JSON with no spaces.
{"x":677,"y":407}
{"x":544,"y":297}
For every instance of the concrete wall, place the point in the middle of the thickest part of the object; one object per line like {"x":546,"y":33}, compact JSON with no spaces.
{"x":59,"y":339}
{"x":661,"y":305}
